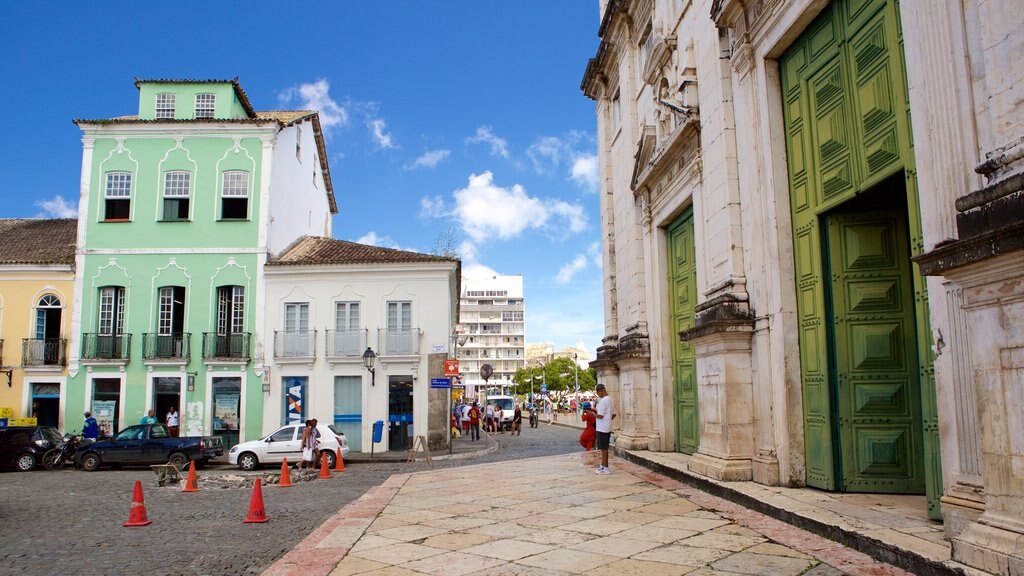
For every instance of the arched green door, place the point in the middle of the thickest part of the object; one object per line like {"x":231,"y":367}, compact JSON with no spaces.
{"x":683,"y":296}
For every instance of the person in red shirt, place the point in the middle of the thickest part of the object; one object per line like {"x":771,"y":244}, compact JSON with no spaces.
{"x":589,"y":434}
{"x":474,"y":422}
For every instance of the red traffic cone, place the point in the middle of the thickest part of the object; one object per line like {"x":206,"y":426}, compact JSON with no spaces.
{"x":286,"y":477}
{"x":191,"y":484}
{"x":256,"y":511}
{"x":325,"y":471}
{"x":137,"y":515}
{"x":339,"y":464}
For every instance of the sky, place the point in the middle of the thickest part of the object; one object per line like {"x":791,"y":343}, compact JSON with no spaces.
{"x":457,"y":118}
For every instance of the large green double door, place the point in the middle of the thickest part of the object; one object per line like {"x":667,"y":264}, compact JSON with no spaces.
{"x":866,"y":376}
{"x":683,"y":297}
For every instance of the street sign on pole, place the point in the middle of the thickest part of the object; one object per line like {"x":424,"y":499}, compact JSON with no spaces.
{"x":451,"y":367}
{"x":440,"y":383}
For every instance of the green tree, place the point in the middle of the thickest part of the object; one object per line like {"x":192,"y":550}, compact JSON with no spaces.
{"x":446,"y":244}
{"x":560,"y":376}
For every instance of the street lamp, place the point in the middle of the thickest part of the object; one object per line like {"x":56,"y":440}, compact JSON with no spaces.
{"x":368,"y":358}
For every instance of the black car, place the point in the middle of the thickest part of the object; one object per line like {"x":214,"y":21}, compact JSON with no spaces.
{"x":23,"y":446}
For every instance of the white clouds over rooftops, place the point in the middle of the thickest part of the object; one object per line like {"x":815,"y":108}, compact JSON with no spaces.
{"x":378,"y":129}
{"x":487,"y":211}
{"x":57,"y":207}
{"x":485,"y":135}
{"x":315,"y":96}
{"x":584,"y":172}
{"x":566,"y":273}
{"x":429,"y":159}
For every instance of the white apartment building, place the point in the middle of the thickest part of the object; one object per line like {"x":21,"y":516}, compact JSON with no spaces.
{"x":493,"y":316}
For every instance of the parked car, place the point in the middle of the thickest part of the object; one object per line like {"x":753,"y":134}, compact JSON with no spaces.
{"x":286,"y":442}
{"x":145,"y":444}
{"x":23,"y":446}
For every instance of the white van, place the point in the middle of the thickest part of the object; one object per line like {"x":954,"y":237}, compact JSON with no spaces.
{"x":508,"y":409}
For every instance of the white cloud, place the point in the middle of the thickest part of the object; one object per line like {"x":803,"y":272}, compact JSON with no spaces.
{"x":429,"y":159}
{"x":546,"y":153}
{"x":378,"y":127}
{"x":584,"y":172}
{"x":372,"y":239}
{"x":315,"y":96}
{"x":594,"y":251}
{"x":566,"y":273}
{"x":485,"y":135}
{"x":433,"y":207}
{"x":57,"y":207}
{"x":487,"y":211}
{"x":468,"y":251}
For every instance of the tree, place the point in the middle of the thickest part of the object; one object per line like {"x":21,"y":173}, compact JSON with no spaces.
{"x":445,"y":244}
{"x":560,"y":375}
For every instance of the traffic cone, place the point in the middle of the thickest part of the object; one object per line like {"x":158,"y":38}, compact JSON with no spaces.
{"x":325,"y":471}
{"x":339,"y":464}
{"x":137,"y":515}
{"x":191,"y":484}
{"x":256,"y":511}
{"x":286,"y":477}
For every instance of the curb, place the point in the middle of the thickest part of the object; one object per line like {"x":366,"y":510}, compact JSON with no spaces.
{"x":877,"y":549}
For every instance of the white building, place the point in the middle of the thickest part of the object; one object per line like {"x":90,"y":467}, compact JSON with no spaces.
{"x":493,"y":316}
{"x":330,"y":302}
{"x":811,"y":214}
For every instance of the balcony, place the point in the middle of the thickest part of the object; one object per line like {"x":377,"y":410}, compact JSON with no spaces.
{"x":345,"y":343}
{"x":401,"y":342}
{"x":295,"y":344}
{"x":228,"y":347}
{"x":167,"y":346}
{"x":44,"y":351}
{"x":113,"y":347}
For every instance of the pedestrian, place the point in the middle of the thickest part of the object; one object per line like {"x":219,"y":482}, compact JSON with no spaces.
{"x":149,"y":418}
{"x":474,"y":422}
{"x":172,"y":422}
{"x":90,"y":430}
{"x":589,"y":434}
{"x":489,"y":418}
{"x":307,"y":448}
{"x":499,"y":417}
{"x":517,"y":421}
{"x":314,"y":441}
{"x":547,"y":410}
{"x":465,"y":418}
{"x":605,"y":414}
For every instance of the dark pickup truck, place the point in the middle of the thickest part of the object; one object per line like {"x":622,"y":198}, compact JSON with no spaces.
{"x":148,"y":444}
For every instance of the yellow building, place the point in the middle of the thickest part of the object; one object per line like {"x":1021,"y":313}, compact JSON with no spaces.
{"x":37,"y":269}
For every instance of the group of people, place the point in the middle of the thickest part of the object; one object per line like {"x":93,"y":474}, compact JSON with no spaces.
{"x":310,"y":445}
{"x":598,"y":427}
{"x":171,"y":420}
{"x":469,"y":418}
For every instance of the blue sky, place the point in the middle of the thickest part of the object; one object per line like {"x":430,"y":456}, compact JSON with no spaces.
{"x":447,"y":114}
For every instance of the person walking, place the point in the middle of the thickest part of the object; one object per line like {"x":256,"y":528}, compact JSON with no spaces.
{"x":149,"y":418}
{"x":90,"y":430}
{"x":474,"y":422}
{"x":548,"y":410}
{"x":499,"y":417}
{"x":172,"y":422}
{"x":605,"y":414}
{"x":465,"y":418}
{"x":589,"y":434}
{"x":489,"y":418}
{"x":314,"y":442}
{"x":517,"y":421}
{"x":307,"y":449}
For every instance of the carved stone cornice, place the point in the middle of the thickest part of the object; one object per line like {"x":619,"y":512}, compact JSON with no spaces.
{"x":658,"y":57}
{"x":652,"y":167}
{"x":724,"y":13}
{"x":727,"y":313}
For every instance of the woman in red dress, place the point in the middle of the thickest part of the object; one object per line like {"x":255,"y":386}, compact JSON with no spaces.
{"x":589,"y":434}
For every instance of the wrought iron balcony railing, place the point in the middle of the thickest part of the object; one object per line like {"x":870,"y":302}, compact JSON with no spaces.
{"x":401,"y":341}
{"x":345,"y":343}
{"x":226,"y":346}
{"x":44,"y":351}
{"x":106,"y":346}
{"x":295,"y":344}
{"x":166,"y":346}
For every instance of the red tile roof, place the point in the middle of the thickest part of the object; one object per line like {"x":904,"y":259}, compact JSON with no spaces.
{"x":38,"y":240}
{"x":317,"y":250}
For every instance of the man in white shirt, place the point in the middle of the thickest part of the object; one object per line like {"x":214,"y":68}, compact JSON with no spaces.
{"x":172,"y":422}
{"x":605,"y":415}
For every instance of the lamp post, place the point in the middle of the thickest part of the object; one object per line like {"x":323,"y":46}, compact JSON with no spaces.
{"x":457,"y":340}
{"x":368,"y":358}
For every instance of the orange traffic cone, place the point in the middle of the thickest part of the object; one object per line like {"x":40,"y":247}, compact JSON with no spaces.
{"x":137,"y":515}
{"x":256,"y":511}
{"x":325,"y":471}
{"x":339,"y":464}
{"x":286,"y":477}
{"x":191,"y":484}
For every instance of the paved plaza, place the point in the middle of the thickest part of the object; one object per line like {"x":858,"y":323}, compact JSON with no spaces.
{"x":553,"y":516}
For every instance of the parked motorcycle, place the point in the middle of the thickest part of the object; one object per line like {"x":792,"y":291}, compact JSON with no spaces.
{"x":56,"y":458}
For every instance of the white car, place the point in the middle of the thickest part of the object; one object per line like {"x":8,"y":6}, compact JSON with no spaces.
{"x":286,"y":442}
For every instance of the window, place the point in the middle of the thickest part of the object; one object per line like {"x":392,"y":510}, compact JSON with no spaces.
{"x":171,"y":312}
{"x":298,"y":143}
{"x":645,"y":46}
{"x":230,"y":310}
{"x":118,"y":196}
{"x":399,"y":331}
{"x":235,"y":195}
{"x":296,"y":317}
{"x":111,"y":318}
{"x":165,"y":105}
{"x":176,"y":193}
{"x":616,"y":112}
{"x":204,"y":105}
{"x":347,"y":335}
{"x":314,"y":170}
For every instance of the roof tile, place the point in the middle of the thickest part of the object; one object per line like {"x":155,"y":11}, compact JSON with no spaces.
{"x":38,"y":240}
{"x":317,"y":250}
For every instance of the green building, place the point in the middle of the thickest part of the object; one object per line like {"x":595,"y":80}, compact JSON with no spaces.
{"x":180,"y":206}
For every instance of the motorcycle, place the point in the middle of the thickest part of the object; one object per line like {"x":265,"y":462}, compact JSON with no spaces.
{"x":56,"y":458}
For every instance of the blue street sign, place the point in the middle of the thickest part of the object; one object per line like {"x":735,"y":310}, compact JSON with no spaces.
{"x":440,"y":383}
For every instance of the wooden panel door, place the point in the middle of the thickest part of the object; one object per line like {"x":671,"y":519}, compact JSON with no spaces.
{"x":683,"y":296}
{"x":874,"y":353}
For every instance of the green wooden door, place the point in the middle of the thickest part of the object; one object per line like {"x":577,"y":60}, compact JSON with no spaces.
{"x":873,"y":344}
{"x":683,"y":296}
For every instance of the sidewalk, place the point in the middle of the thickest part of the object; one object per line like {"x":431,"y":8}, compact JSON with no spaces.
{"x":555,"y":517}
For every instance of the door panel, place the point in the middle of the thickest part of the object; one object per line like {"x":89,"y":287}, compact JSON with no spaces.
{"x":683,"y":298}
{"x":874,"y":353}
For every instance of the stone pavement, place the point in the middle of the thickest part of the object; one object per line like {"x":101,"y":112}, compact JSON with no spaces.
{"x":553,"y":516}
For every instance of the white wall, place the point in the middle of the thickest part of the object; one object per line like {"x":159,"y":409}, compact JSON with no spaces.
{"x":298,"y":207}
